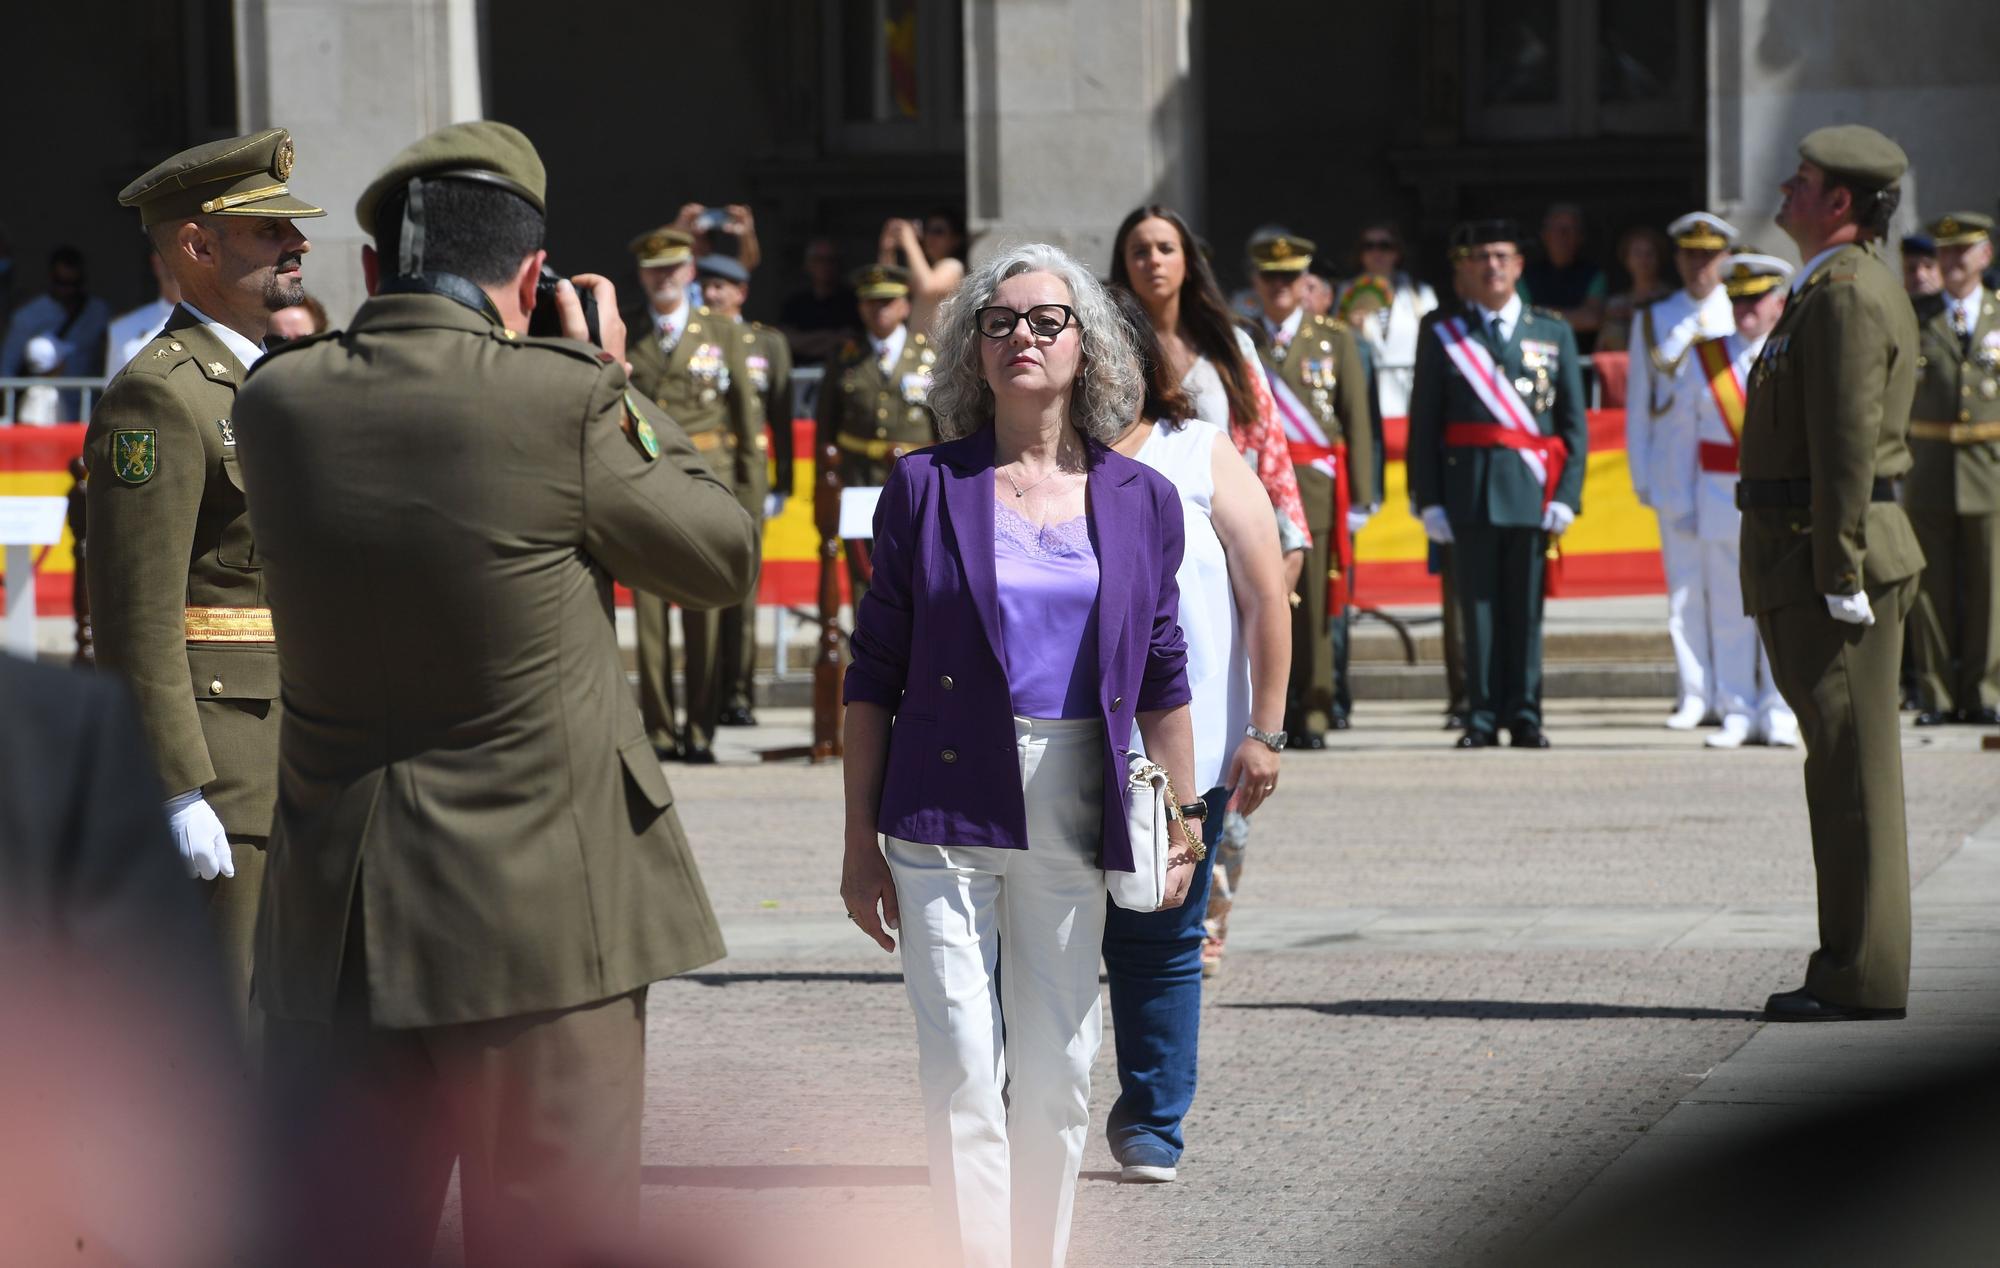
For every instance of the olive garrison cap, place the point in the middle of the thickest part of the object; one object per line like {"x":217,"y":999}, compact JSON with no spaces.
{"x":662,"y":248}
{"x":1478,"y":233}
{"x":1281,"y":253}
{"x":243,"y":176}
{"x":724,"y":266}
{"x":1856,"y":153}
{"x":1960,"y":228}
{"x":880,"y":281}
{"x":483,"y":151}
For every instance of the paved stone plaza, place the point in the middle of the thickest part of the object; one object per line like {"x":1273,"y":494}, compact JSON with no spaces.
{"x":1463,"y":989}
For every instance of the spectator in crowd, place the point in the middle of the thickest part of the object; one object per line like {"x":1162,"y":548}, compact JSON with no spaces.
{"x":1386,"y":305}
{"x":39,"y":406}
{"x":1563,"y":280}
{"x":933,"y":251}
{"x":307,"y":317}
{"x":134,"y":330}
{"x":1642,"y":254}
{"x":68,"y":314}
{"x":819,"y":317}
{"x":1921,"y":274}
{"x":1316,"y":294}
{"x":730,"y":230}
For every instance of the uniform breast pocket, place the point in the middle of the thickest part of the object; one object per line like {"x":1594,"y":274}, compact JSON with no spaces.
{"x":235,"y":549}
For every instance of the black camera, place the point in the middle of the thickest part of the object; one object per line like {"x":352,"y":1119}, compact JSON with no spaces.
{"x":547,"y":318}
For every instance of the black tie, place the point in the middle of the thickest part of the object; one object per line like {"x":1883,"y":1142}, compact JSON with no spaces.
{"x":1493,"y":332}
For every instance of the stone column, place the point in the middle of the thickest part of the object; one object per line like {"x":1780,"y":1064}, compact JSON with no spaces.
{"x":354,"y":82}
{"x":1076,"y":112}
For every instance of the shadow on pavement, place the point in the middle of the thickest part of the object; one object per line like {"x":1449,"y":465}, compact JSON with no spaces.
{"x":799,"y":1176}
{"x":1508,"y":1010}
{"x":747,"y":979}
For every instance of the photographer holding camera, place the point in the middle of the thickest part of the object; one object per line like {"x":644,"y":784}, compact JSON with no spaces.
{"x":475,"y":870}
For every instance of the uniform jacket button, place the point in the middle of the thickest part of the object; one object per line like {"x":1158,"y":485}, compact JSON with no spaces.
{"x":949,"y":755}
{"x":944,"y":680}
{"x":215,"y":687}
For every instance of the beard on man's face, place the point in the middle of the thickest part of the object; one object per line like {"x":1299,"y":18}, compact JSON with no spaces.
{"x":281,"y":291}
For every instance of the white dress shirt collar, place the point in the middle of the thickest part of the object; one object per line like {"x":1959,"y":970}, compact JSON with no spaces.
{"x":245,"y":352}
{"x":888,"y":351}
{"x":1969,"y":307}
{"x":1509,"y":314}
{"x":674,"y":324}
{"x":1287,"y":330}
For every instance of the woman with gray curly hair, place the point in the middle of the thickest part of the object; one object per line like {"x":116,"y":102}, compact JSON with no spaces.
{"x":1021,"y":617}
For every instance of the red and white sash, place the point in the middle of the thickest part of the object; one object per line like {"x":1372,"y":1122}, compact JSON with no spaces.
{"x":1491,"y":385}
{"x":1309,"y":443}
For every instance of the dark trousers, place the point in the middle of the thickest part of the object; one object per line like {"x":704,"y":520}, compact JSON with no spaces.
{"x":1955,"y":625}
{"x":1153,"y":962}
{"x":1498,"y":572}
{"x":1339,"y":629}
{"x":539,"y":1112}
{"x":1309,"y":692}
{"x":232,"y":914}
{"x":1452,"y":631}
{"x":1841,"y":681}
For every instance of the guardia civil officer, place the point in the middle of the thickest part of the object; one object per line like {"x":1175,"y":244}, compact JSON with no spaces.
{"x":767,"y":363}
{"x":1953,"y":493}
{"x":691,"y":363}
{"x":1830,"y":562}
{"x":1658,"y":416}
{"x":476,"y":868}
{"x":1497,"y":443}
{"x":177,"y":588}
{"x":876,"y":396}
{"x":1318,"y":359}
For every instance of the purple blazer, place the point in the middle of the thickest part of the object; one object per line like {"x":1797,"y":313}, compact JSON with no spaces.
{"x":927,"y":643}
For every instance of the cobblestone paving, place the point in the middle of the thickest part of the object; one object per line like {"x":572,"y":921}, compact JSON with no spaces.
{"x":1361,"y":1103}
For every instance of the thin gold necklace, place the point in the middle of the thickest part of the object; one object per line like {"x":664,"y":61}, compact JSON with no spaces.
{"x":1020,"y":492}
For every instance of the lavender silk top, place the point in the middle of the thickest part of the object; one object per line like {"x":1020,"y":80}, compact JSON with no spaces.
{"x":928,"y":642}
{"x":1047,"y":577}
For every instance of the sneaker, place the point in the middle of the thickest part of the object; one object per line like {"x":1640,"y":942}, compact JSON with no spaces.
{"x":1735,"y":733}
{"x":1688,"y":716}
{"x":1147,"y":1164}
{"x":1781,"y":732}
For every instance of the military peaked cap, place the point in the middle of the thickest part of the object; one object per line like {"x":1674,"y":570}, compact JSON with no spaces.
{"x":243,"y":176}
{"x":1281,"y":253}
{"x":1856,"y":153}
{"x":662,"y":248}
{"x":880,"y":281}
{"x":1478,"y":233}
{"x":1701,"y":231}
{"x":1747,"y":274}
{"x":482,"y":151}
{"x":1960,"y":228}
{"x":723,"y":266}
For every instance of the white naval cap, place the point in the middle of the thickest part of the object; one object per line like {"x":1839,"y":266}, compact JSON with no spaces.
{"x":1702,"y":231}
{"x":1748,"y":274}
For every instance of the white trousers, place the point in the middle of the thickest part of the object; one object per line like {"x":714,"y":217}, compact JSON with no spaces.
{"x":1000,"y":955}
{"x":1741,"y":685}
{"x":1687,"y":614}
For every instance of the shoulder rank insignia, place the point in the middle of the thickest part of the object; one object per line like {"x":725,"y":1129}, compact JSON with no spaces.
{"x":640,"y":430}
{"x":217,"y":368}
{"x":135,"y":454}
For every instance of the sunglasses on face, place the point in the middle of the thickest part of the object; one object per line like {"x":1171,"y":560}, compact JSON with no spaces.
{"x":1045,"y":321}
{"x":1377,"y":244}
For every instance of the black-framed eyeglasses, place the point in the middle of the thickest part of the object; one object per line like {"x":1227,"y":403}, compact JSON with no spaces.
{"x":1045,"y":321}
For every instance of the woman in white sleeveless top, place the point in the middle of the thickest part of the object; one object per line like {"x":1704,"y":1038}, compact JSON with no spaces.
{"x":1236,"y":622}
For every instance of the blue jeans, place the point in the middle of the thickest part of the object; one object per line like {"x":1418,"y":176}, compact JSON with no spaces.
{"x":1153,"y":961}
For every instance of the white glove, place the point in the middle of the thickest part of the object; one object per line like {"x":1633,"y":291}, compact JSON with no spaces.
{"x":1358,"y":517}
{"x":1557,"y":518}
{"x":1437,"y":526}
{"x":204,"y":846}
{"x":774,"y":505}
{"x":1851,"y":608}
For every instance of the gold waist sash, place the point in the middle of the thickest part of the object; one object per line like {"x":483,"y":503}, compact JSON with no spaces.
{"x":229,"y":625}
{"x":876,"y":450}
{"x":1955,"y":433}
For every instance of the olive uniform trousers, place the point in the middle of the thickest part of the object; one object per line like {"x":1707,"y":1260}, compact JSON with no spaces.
{"x":1956,"y":623}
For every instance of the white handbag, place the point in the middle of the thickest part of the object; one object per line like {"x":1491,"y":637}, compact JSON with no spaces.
{"x":1151,"y":816}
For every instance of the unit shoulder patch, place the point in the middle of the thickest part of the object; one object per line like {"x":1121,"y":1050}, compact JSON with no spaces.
{"x":135,"y":454}
{"x":641,"y":430}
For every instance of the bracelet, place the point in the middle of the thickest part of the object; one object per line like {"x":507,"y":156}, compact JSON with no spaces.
{"x":1194,"y":810}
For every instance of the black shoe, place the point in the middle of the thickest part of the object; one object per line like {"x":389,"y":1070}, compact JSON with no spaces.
{"x":1477,"y":739}
{"x":667,"y":752}
{"x":1933,"y":717}
{"x":1803,"y":1005}
{"x":1339,"y":722}
{"x":699,"y":757}
{"x":1980,"y":717}
{"x":737,"y":715}
{"x":1527,"y":737}
{"x":1454,"y":721}
{"x":1307,"y":740}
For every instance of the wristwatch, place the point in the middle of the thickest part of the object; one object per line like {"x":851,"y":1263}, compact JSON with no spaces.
{"x":1194,"y":810}
{"x":1275,"y":741}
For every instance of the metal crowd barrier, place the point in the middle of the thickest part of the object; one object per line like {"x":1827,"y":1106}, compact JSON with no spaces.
{"x":79,"y":396}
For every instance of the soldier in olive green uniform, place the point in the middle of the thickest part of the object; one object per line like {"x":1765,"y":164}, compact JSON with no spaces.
{"x":476,"y":868}
{"x":1497,"y":446}
{"x":767,"y":360}
{"x":1830,"y":562}
{"x":691,"y":363}
{"x":1319,"y":360}
{"x":875,"y":398}
{"x":176,"y":584}
{"x":1953,"y":493}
